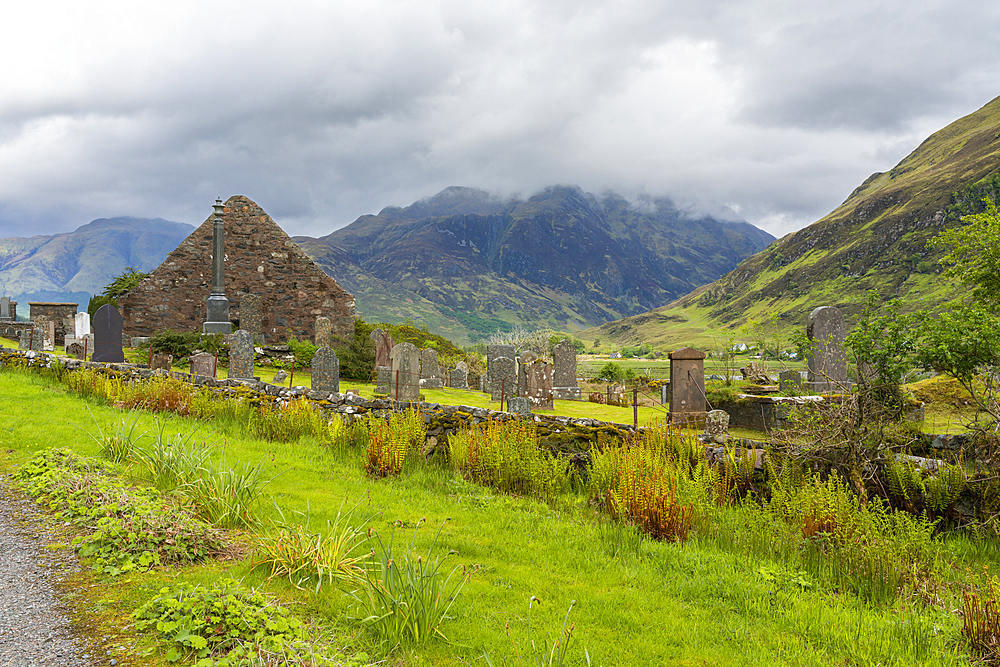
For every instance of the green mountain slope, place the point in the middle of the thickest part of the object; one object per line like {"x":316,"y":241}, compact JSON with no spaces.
{"x":876,"y":239}
{"x":77,"y":264}
{"x":467,"y":263}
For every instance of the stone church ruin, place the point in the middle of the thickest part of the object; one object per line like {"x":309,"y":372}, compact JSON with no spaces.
{"x":261,"y":261}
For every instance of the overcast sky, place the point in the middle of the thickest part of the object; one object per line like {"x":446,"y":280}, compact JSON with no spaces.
{"x":325,"y":111}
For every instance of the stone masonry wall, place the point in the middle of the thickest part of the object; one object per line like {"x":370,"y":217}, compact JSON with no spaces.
{"x":60,"y":313}
{"x":260,"y":259}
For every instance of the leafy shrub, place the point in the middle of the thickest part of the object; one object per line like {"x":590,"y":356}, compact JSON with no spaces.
{"x":303,"y":350}
{"x":182,"y":344}
{"x":390,"y":440}
{"x":506,"y":456}
{"x":644,"y":492}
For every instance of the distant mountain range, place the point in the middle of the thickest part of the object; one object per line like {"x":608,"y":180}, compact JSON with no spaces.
{"x":877,"y":239}
{"x":467,"y":263}
{"x":75,"y":265}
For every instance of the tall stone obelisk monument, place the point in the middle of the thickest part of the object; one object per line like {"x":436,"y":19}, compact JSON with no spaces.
{"x":217,"y":320}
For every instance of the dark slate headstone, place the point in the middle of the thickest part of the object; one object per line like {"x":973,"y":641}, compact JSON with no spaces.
{"x":687,"y":385}
{"x":504,"y":380}
{"x":539,"y":390}
{"x":405,"y":385}
{"x":203,"y":363}
{"x":384,"y":380}
{"x":326,"y":371}
{"x":241,"y":355}
{"x":523,"y":362}
{"x":492,"y":352}
{"x":108,"y":335}
{"x":459,"y":378}
{"x":252,"y":316}
{"x":162,"y":361}
{"x":828,"y":362}
{"x":323,"y":330}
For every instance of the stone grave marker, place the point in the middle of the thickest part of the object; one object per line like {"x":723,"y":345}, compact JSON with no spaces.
{"x":138,"y":341}
{"x":664,"y":393}
{"x":789,"y":381}
{"x":717,"y":426}
{"x":492,"y":353}
{"x":523,"y":362}
{"x":241,"y":355}
{"x":430,"y":371}
{"x":5,"y":309}
{"x":162,"y":361}
{"x":504,"y":378}
{"x":75,"y":350}
{"x":826,"y":331}
{"x":31,"y":339}
{"x":539,"y":389}
{"x":323,"y":329}
{"x":50,"y":336}
{"x":252,"y":316}
{"x":383,"y":346}
{"x":384,"y":377}
{"x":204,"y":364}
{"x":280,"y":376}
{"x":81,"y":325}
{"x":519,"y":405}
{"x":405,"y":384}
{"x":564,"y":384}
{"x":108,"y":335}
{"x":459,"y":378}
{"x":687,"y":385}
{"x":326,"y":371}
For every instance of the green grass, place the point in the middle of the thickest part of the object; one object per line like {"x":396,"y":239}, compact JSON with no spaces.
{"x":702,"y":602}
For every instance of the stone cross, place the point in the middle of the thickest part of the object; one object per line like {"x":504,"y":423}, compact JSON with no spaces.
{"x":81,"y":325}
{"x":326,"y":371}
{"x":323,"y":330}
{"x":241,"y":355}
{"x":459,"y":378}
{"x":539,"y":389}
{"x":405,"y":385}
{"x":108,"y":335}
{"x":504,"y":381}
{"x":204,"y":364}
{"x":5,"y":308}
{"x":687,"y":385}
{"x":492,"y":352}
{"x":828,"y":361}
{"x":217,"y":312}
{"x":430,"y":371}
{"x":252,"y":316}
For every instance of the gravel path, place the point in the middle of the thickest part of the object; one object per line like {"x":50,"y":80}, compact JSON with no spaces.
{"x":34,"y":626}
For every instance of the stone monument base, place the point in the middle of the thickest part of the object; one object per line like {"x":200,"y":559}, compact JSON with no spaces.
{"x":689,"y":419}
{"x":217,"y":328}
{"x":567,"y":394}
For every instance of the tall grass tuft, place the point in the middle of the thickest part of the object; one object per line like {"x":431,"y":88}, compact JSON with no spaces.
{"x":391,"y":439}
{"x":227,"y":497}
{"x":554,"y":656}
{"x":172,"y":462}
{"x":505,"y":455}
{"x":981,"y":622}
{"x":119,"y":443}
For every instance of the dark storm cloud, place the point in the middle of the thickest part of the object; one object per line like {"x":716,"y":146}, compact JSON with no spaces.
{"x":325,"y":111}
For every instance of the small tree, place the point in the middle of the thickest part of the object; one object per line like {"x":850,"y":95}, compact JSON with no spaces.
{"x":124,"y":283}
{"x":973,"y":254}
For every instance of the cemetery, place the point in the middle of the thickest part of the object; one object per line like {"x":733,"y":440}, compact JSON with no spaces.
{"x":807,"y":511}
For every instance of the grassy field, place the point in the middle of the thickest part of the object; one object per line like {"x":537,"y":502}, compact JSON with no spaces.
{"x":706,"y":601}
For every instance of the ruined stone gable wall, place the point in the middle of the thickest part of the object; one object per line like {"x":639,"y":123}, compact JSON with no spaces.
{"x":261,"y":259}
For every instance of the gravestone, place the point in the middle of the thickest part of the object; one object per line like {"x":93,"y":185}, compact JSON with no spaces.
{"x":31,"y":339}
{"x":241,"y":355}
{"x":252,"y":316}
{"x":492,"y":353}
{"x":405,"y":384}
{"x":539,"y":389}
{"x":323,"y":329}
{"x":138,"y":341}
{"x":564,"y":384}
{"x":664,"y":393}
{"x":789,"y":381}
{"x":828,"y":361}
{"x":717,"y":426}
{"x":81,"y":325}
{"x":459,"y":378}
{"x":503,"y":383}
{"x":430,"y":371}
{"x":326,"y":371}
{"x":204,"y":364}
{"x":280,"y":376}
{"x":383,"y":346}
{"x":50,"y":336}
{"x":108,"y":335}
{"x":384,"y":377}
{"x":162,"y":361}
{"x":523,"y":362}
{"x":687,"y":385}
{"x":519,"y":405}
{"x":5,"y":309}
{"x":75,"y":350}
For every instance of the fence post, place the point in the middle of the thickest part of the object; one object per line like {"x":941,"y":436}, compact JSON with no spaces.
{"x":86,"y":343}
{"x":503,"y":391}
{"x":215,"y":366}
{"x":608,"y":401}
{"x":635,"y":407}
{"x":291,"y":376}
{"x":397,"y":386}
{"x":31,"y":339}
{"x":150,"y":364}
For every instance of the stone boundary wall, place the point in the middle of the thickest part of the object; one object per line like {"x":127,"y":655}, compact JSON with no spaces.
{"x":12,"y":330}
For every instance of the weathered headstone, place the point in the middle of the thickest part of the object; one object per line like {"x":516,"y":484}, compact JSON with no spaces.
{"x":826,"y":331}
{"x":383,"y":346}
{"x":50,"y":336}
{"x":138,"y":341}
{"x":430,"y":371}
{"x":384,"y":378}
{"x":519,"y":405}
{"x":687,"y":385}
{"x":717,"y":426}
{"x":5,"y":309}
{"x":523,"y":362}
{"x":241,"y":355}
{"x":280,"y":376}
{"x":564,"y":384}
{"x":75,"y":350}
{"x":503,"y":383}
{"x":252,"y":316}
{"x":326,"y":370}
{"x":162,"y":361}
{"x":459,"y":377}
{"x":108,"y":335}
{"x":539,"y":389}
{"x":31,"y":339}
{"x":664,"y":393}
{"x":492,"y":353}
{"x":405,"y":385}
{"x":204,"y":364}
{"x":323,"y":329}
{"x":789,"y":381}
{"x":81,"y":325}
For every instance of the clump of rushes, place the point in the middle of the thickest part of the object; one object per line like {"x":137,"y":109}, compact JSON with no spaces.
{"x":119,"y":443}
{"x":554,"y":656}
{"x":391,"y":439}
{"x":981,"y":622}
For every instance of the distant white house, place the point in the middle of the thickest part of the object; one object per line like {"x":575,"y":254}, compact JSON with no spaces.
{"x":615,"y":355}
